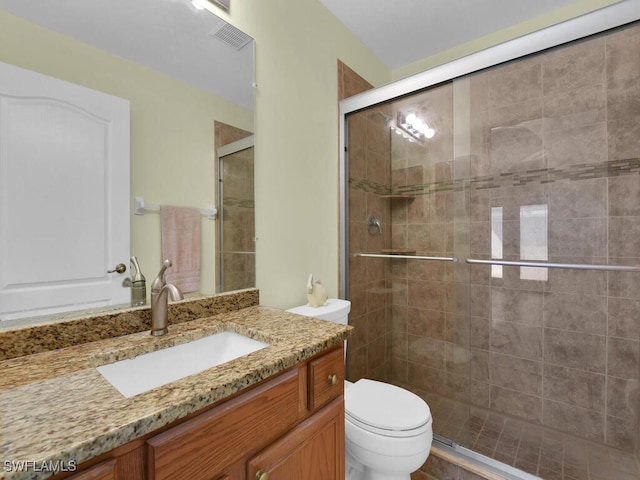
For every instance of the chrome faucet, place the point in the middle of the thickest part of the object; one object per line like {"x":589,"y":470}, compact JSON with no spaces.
{"x":160,"y":290}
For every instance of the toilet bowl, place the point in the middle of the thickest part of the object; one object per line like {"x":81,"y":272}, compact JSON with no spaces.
{"x":388,"y":430}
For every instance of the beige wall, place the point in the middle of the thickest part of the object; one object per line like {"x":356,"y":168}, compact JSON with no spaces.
{"x":172,"y":129}
{"x":296,"y":154}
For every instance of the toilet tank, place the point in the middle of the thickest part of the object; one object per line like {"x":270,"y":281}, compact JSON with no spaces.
{"x":335,"y":310}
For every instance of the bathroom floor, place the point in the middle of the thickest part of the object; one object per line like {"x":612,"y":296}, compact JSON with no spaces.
{"x":541,"y":451}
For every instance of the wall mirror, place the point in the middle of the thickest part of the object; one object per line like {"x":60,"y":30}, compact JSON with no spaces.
{"x":180,"y":66}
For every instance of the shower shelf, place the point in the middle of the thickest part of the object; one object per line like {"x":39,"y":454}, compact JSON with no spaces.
{"x":399,"y":197}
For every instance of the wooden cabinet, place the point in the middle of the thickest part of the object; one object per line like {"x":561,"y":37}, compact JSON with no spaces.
{"x":326,"y":378}
{"x":127,"y":462}
{"x":314,"y":450}
{"x":209,"y":445}
{"x":106,"y":470}
{"x":289,"y":427}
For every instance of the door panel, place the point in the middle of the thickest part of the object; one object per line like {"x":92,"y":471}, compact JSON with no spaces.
{"x":64,"y":195}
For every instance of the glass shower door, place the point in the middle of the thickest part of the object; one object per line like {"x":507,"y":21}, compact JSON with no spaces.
{"x":551,"y":189}
{"x":236,"y":226}
{"x":408,"y":294}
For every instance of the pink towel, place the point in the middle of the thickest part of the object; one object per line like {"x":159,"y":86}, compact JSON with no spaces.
{"x":181,"y":244}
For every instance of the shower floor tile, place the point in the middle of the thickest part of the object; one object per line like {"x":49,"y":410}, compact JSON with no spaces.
{"x":556,"y":456}
{"x":541,"y":451}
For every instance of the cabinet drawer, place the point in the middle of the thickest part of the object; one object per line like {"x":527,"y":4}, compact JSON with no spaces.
{"x":206,"y":445}
{"x":326,"y":378}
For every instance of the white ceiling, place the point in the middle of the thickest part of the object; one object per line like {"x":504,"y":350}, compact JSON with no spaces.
{"x":169,"y":36}
{"x":400,"y":32}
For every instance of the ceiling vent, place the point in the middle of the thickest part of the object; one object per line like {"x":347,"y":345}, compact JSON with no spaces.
{"x":231,"y":36}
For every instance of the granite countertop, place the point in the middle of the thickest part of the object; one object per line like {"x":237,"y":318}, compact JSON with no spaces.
{"x":55,"y":407}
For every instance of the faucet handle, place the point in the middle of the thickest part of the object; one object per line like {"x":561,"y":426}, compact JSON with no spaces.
{"x":166,"y":264}
{"x":159,"y":281}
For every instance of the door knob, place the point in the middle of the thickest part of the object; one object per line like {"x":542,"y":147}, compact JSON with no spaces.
{"x":120,"y":268}
{"x":333,"y":379}
{"x":260,"y":475}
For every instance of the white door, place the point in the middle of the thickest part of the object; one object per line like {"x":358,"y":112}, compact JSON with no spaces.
{"x":64,"y":195}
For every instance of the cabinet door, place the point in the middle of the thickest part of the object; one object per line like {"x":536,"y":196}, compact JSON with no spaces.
{"x":102,"y":471}
{"x":314,"y":450}
{"x":204,"y":447}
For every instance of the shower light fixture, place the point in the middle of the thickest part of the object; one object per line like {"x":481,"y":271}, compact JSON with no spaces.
{"x":413,"y":127}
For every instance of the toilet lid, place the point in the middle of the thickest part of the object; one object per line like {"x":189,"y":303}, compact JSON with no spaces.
{"x":384,"y":406}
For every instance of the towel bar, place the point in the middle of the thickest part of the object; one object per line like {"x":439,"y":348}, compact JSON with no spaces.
{"x":140,"y":207}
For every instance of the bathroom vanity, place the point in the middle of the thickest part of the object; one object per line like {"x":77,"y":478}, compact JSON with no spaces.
{"x":276,"y":411}
{"x":292,"y":424}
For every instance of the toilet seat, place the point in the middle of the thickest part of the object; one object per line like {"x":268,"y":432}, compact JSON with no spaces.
{"x":386,"y":410}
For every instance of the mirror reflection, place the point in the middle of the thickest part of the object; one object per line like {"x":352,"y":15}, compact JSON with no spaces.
{"x":236,"y":226}
{"x":181,"y":75}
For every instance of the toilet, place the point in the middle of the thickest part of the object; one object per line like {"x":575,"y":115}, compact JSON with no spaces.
{"x":387,"y":428}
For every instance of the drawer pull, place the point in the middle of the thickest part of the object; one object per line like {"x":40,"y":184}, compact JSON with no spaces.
{"x":333,"y":379}
{"x":262,"y":475}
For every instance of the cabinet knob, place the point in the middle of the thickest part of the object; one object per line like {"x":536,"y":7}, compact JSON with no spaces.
{"x":260,"y":475}
{"x":333,"y":379}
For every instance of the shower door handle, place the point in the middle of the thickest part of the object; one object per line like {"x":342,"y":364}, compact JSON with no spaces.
{"x":411,"y":257}
{"x":575,"y":266}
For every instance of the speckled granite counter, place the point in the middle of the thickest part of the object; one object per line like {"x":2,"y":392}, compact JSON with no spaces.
{"x":56,"y":407}
{"x":75,"y":328}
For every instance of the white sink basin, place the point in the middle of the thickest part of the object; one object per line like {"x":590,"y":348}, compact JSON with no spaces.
{"x":150,"y":370}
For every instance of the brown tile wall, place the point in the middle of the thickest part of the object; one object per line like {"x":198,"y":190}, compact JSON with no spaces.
{"x":368,"y":350}
{"x":558,"y":129}
{"x":349,"y":82}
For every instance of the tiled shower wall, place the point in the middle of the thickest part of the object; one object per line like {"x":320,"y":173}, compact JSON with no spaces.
{"x":369,"y":287}
{"x":368,"y":350}
{"x":540,"y":157}
{"x":556,"y":130}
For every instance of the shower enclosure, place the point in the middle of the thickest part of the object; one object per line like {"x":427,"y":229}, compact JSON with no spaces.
{"x":500,"y":282}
